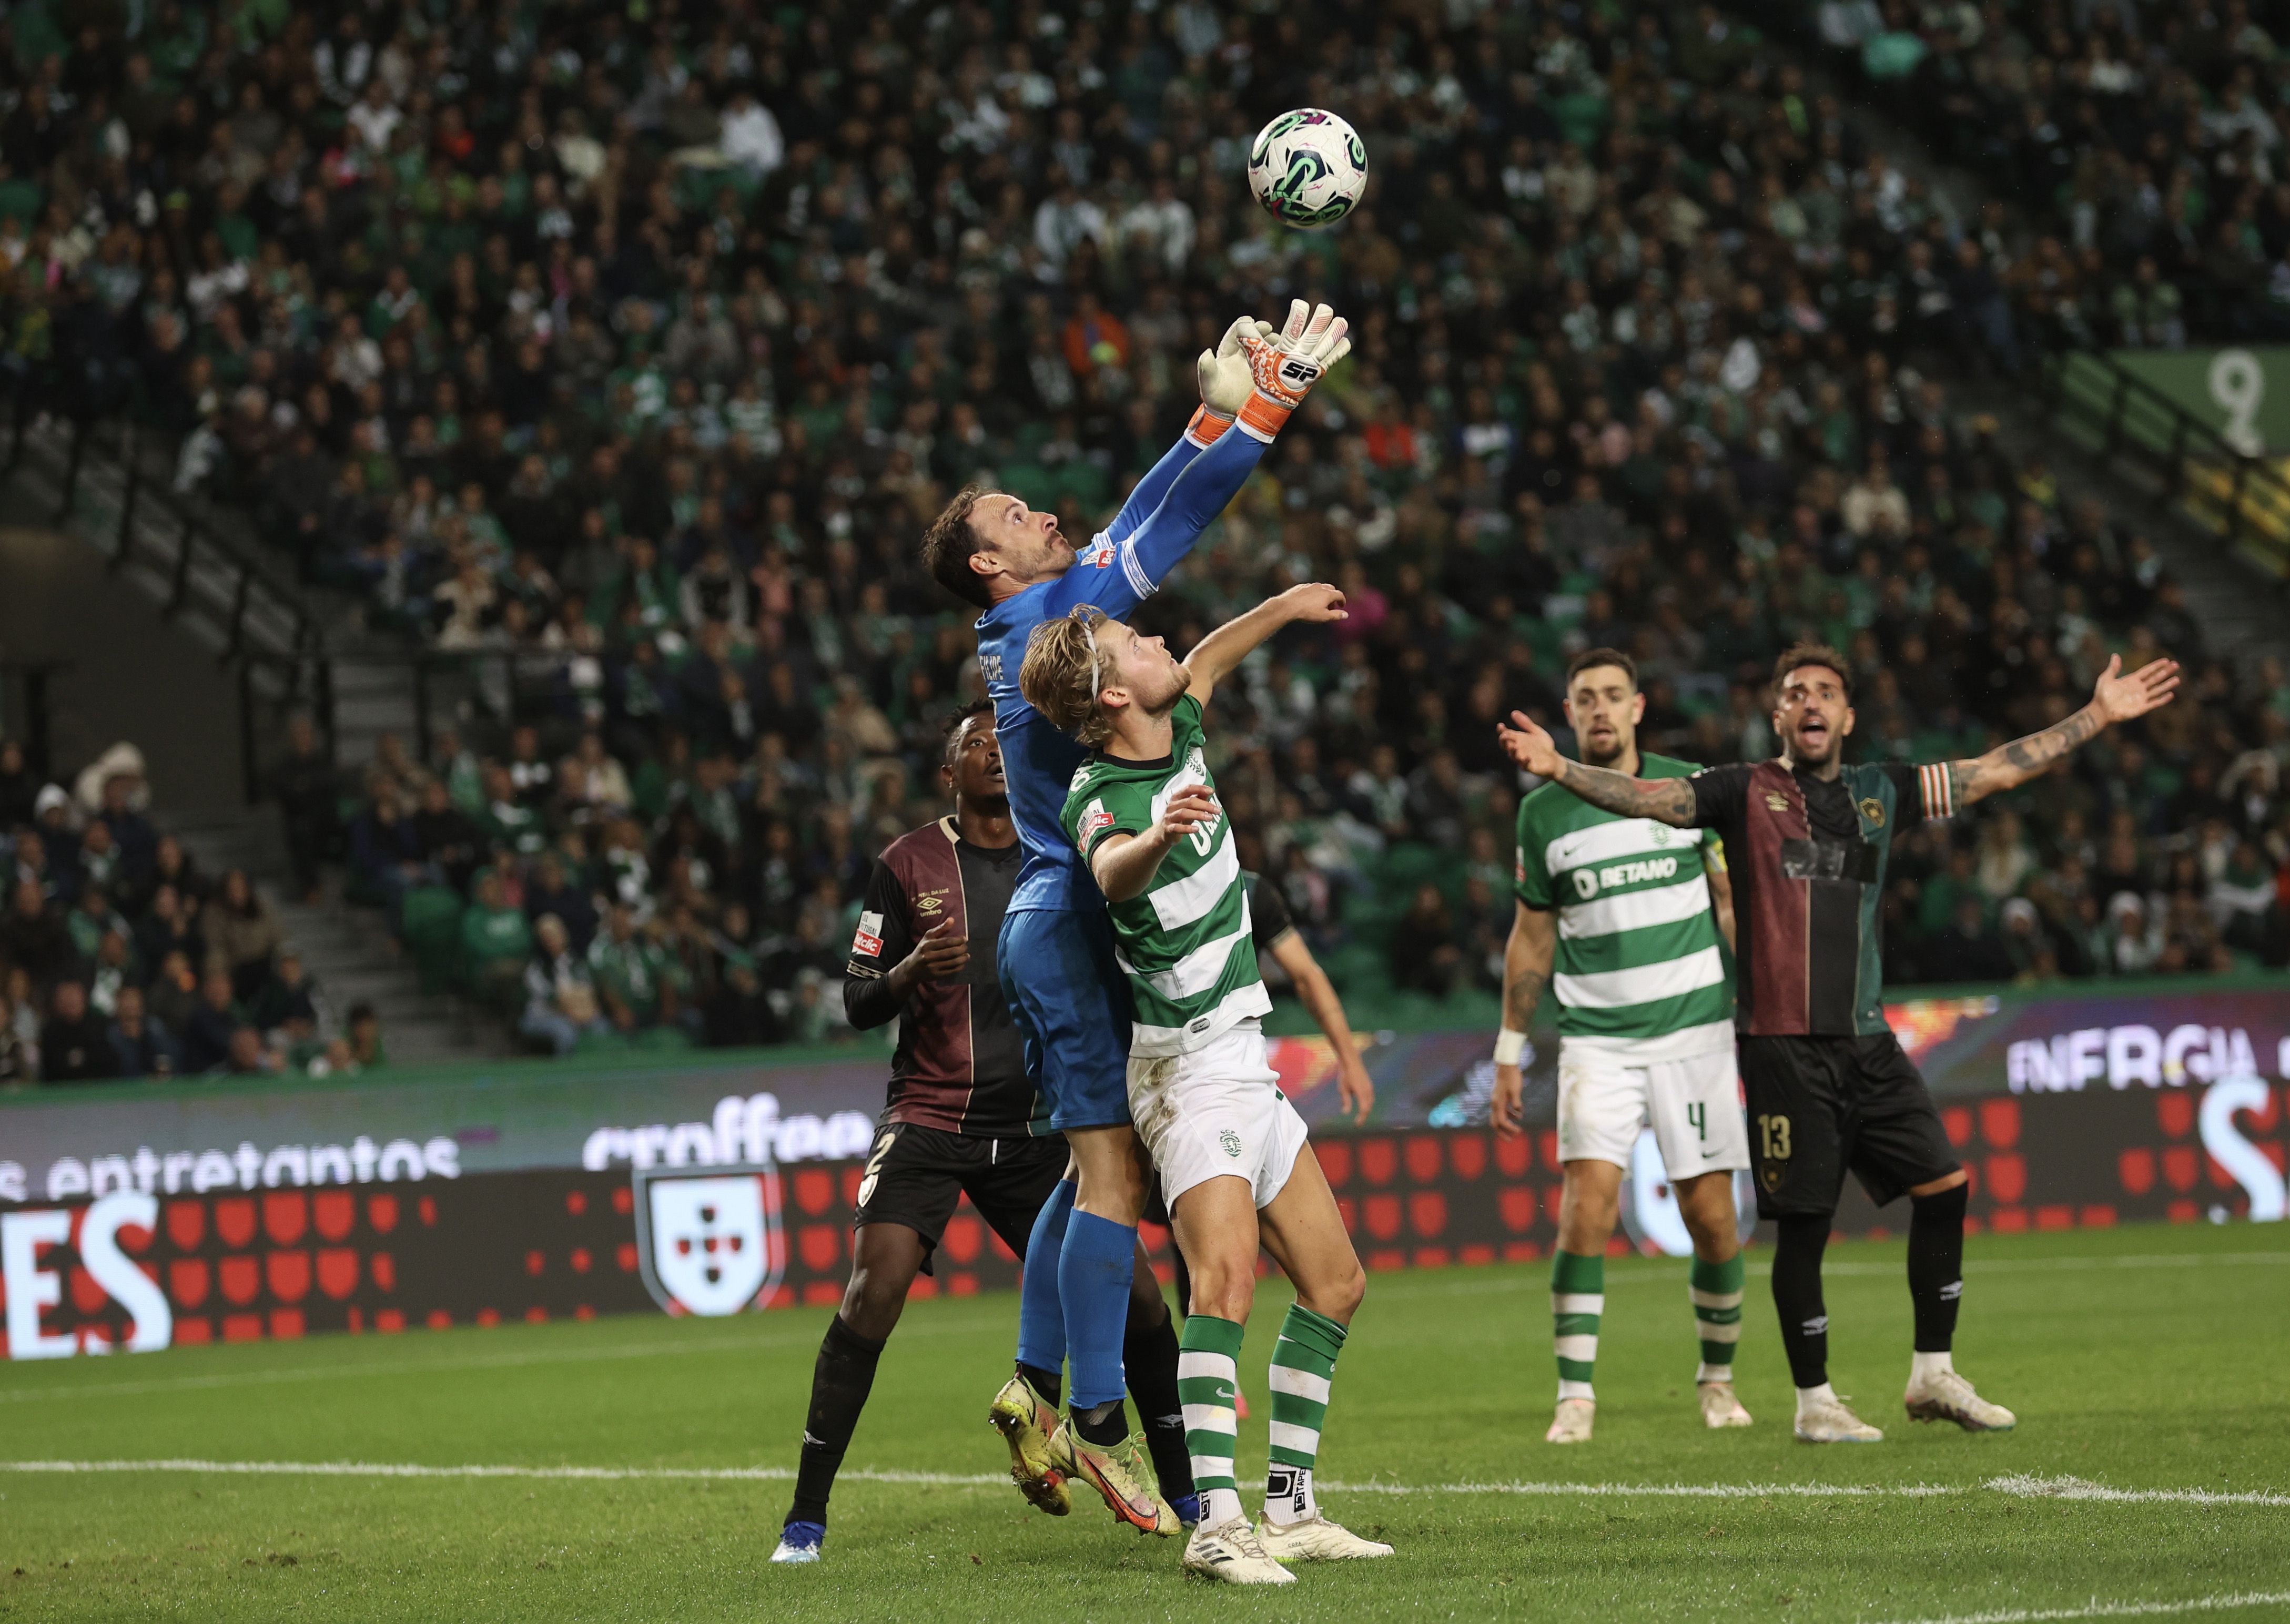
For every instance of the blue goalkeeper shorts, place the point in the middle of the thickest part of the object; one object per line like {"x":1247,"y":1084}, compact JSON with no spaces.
{"x":1071,"y":1004}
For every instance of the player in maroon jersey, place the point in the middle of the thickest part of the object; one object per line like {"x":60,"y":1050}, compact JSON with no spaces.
{"x":962,"y":1118}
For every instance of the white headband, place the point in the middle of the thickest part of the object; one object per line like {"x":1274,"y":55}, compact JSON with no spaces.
{"x":1089,"y":636}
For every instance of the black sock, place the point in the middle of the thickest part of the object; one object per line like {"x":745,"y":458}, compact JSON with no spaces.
{"x":1046,"y":1384}
{"x":1936,"y":1264}
{"x":1103,"y":1425}
{"x":1797,"y":1294}
{"x":1184,"y":1283}
{"x":1149,"y":1355}
{"x":839,"y":1384}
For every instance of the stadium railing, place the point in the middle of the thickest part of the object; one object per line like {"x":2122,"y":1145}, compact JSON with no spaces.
{"x":2136,"y":428}
{"x":104,"y":477}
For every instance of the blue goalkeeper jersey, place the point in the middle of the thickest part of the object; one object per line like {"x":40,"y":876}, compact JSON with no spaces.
{"x":1122,"y":567}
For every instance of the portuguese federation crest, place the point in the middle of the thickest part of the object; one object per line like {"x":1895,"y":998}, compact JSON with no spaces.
{"x":707,"y":1238}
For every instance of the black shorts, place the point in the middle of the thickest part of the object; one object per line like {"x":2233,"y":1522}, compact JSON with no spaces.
{"x":1821,"y":1105}
{"x":915,"y":1175}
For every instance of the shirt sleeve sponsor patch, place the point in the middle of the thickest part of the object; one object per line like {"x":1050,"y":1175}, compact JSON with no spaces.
{"x":868,"y":941}
{"x":1094,"y":822}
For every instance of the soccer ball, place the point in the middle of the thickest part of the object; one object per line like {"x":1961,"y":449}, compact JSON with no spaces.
{"x":1307,"y":169}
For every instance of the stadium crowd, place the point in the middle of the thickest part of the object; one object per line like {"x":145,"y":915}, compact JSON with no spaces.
{"x":631,"y":351}
{"x":121,"y":957}
{"x":2143,"y":142}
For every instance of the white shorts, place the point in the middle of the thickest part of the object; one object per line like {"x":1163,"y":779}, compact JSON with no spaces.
{"x":1693,"y":1104}
{"x":1216,"y":1112}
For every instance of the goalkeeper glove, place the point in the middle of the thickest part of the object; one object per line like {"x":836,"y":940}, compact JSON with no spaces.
{"x":1282,"y":370}
{"x":1226,"y":381}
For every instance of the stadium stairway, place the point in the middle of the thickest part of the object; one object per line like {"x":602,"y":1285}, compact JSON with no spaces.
{"x":345,"y":948}
{"x":266,"y":629}
{"x":2240,"y":609}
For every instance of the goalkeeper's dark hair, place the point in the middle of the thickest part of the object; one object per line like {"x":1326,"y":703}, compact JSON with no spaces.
{"x":1065,"y":671}
{"x":1798,"y":655}
{"x":1591,"y":658}
{"x":948,"y":546}
{"x":954,"y":724}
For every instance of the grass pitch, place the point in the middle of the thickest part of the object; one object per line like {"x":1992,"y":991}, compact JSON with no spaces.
{"x":2147,"y":1365}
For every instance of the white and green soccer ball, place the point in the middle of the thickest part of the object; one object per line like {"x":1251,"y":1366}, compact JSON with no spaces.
{"x":1308,"y":168}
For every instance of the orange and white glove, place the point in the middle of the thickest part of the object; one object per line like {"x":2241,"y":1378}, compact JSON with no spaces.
{"x":1282,"y":371}
{"x":1226,"y":381}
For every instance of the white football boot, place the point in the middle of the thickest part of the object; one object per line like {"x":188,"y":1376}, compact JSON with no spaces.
{"x":1720,"y":1408}
{"x":1231,"y":1553}
{"x":1572,"y":1423}
{"x":1827,"y":1420}
{"x":1943,"y":1395}
{"x":1315,"y":1538}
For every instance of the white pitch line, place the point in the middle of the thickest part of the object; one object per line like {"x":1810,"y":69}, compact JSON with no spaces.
{"x":2114,"y":1609}
{"x":2076,"y":1488}
{"x":2018,"y":1487}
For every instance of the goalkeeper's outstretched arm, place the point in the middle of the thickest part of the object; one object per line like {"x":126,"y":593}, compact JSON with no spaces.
{"x":1264,"y":381}
{"x":1211,"y":418}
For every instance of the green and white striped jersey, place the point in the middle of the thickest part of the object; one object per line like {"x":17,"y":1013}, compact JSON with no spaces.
{"x":1639,"y":955}
{"x":1184,"y":942}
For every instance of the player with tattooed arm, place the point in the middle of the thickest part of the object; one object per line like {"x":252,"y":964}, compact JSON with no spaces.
{"x":1806,"y":838}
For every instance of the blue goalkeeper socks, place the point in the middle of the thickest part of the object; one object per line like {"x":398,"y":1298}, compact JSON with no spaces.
{"x":1041,"y":1315}
{"x":1093,"y":1272}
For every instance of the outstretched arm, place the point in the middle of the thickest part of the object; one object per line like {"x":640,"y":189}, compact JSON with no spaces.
{"x":1666,"y":800}
{"x":1221,"y":402}
{"x":2116,"y":698}
{"x":1263,"y":380}
{"x":1214,"y":657}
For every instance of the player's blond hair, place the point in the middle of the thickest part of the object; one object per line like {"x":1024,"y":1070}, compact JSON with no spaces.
{"x":1064,"y":672}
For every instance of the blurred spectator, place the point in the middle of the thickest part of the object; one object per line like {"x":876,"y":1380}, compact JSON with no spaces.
{"x":496,"y":941}
{"x":141,"y":1044}
{"x":2135,"y":940}
{"x":366,"y":1051}
{"x":74,"y":1046}
{"x":33,"y":936}
{"x":304,"y":787}
{"x":242,"y":933}
{"x":210,"y":1026}
{"x":1424,"y":954}
{"x":247,"y":1057}
{"x":560,"y":995}
{"x":286,"y":1000}
{"x":19,"y":1058}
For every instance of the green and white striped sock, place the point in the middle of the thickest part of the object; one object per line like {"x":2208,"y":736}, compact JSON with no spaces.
{"x":1207,"y":1373}
{"x":1578,"y":1297}
{"x":1716,"y":1289}
{"x":1304,"y":1364}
